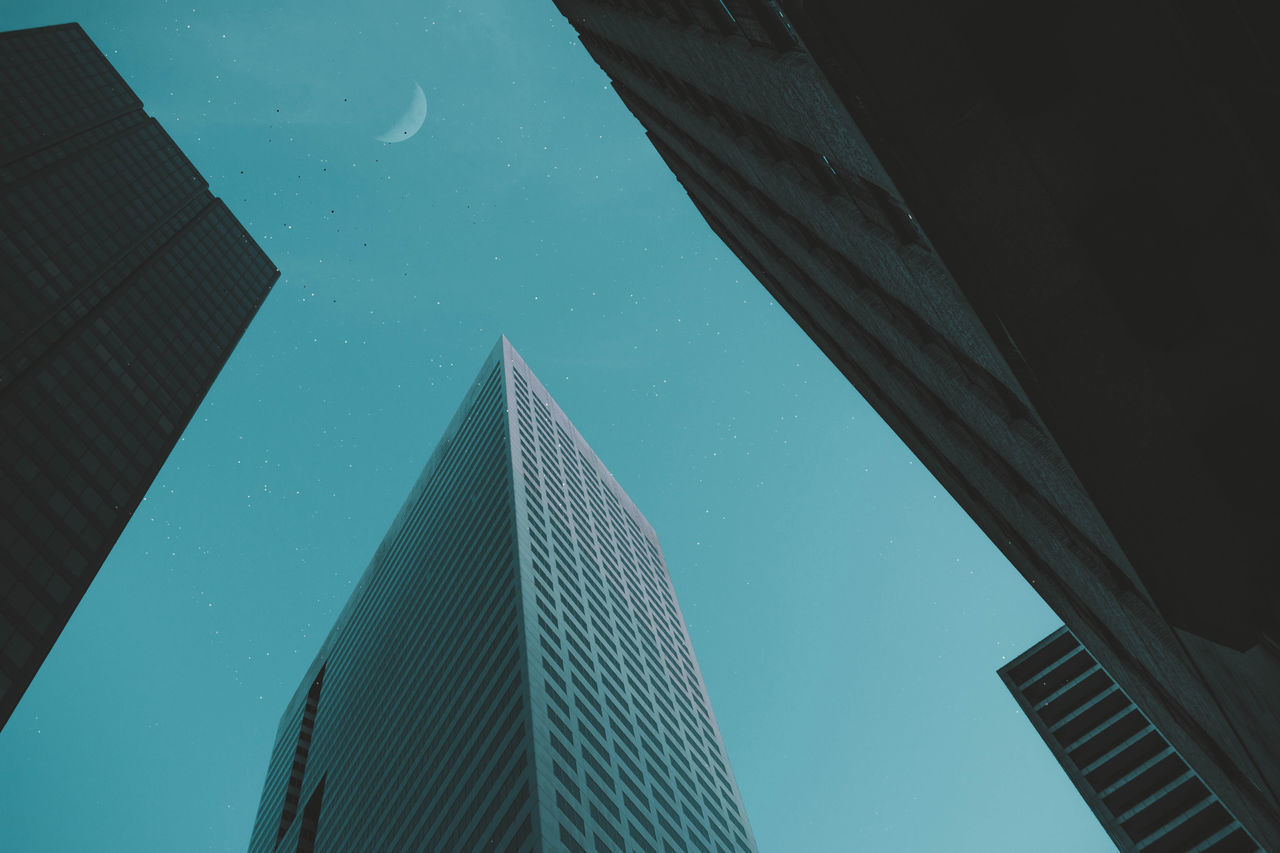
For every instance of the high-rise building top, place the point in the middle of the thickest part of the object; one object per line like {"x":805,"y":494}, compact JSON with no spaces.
{"x":1143,"y":793}
{"x":124,"y":286}
{"x":1011,"y":254}
{"x":512,"y":671}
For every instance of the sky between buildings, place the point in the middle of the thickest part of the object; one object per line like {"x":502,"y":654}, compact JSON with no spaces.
{"x":847,"y":616}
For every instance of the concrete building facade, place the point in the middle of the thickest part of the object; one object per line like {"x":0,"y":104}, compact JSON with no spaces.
{"x":512,"y":672}
{"x":1003,"y":225}
{"x":124,"y":286}
{"x":1143,"y":793}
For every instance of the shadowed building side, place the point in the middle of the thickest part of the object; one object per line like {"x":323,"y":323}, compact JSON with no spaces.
{"x":414,"y":718}
{"x":1102,"y":181}
{"x":1010,"y":401}
{"x":512,"y":672}
{"x":124,"y":286}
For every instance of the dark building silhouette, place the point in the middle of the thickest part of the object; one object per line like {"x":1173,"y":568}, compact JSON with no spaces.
{"x":124,"y":286}
{"x":1143,"y":793}
{"x":1039,"y":241}
{"x":512,"y":672}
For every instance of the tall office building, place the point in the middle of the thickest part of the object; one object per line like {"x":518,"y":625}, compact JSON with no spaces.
{"x":124,"y":286}
{"x":512,"y":672}
{"x":1143,"y":793}
{"x":1039,"y":241}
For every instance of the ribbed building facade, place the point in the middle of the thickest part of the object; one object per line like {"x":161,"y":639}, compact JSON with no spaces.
{"x":512,"y":673}
{"x":943,"y":229}
{"x":1143,"y":793}
{"x":124,"y":286}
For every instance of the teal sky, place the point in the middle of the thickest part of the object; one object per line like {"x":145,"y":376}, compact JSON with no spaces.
{"x":847,"y":616}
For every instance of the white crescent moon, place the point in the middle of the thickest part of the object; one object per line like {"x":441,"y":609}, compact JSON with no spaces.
{"x":409,"y":123}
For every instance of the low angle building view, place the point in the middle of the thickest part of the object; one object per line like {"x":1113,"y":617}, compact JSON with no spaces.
{"x":124,"y":286}
{"x":934,"y":335}
{"x":512,"y":672}
{"x":982,"y":213}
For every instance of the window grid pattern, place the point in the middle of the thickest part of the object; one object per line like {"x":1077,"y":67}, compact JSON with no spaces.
{"x":75,"y":88}
{"x":71,"y":222}
{"x":636,"y":758}
{"x":512,"y":672}
{"x":1140,"y":789}
{"x":422,"y":740}
{"x":125,"y":285}
{"x":89,"y":424}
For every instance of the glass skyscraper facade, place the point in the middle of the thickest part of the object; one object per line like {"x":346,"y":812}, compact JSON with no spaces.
{"x":124,"y":286}
{"x":1140,"y":788}
{"x":512,"y":672}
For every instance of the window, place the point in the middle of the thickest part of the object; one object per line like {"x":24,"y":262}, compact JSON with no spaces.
{"x":294,"y":791}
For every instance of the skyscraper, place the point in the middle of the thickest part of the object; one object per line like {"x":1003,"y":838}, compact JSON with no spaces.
{"x":1039,"y":241}
{"x":1141,"y":790}
{"x":124,"y":286}
{"x":512,"y":672}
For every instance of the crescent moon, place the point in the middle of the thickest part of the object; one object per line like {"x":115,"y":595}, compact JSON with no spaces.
{"x":409,"y":123}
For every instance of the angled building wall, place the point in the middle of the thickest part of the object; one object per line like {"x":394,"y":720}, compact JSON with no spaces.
{"x":124,"y":286}
{"x":1140,"y":789}
{"x":512,"y":672}
{"x":415,"y":715}
{"x":862,"y":162}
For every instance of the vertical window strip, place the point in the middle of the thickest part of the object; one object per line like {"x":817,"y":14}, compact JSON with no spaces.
{"x":305,"y":732}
